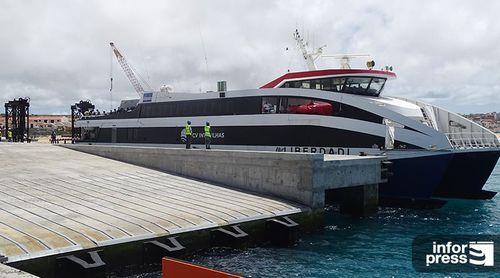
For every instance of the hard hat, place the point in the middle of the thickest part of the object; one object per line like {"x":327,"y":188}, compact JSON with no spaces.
{"x":189,"y":122}
{"x":207,"y":123}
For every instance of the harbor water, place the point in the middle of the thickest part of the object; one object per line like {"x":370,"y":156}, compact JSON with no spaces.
{"x":377,"y":246}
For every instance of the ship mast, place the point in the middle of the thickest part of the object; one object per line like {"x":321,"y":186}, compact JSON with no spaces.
{"x":309,"y":57}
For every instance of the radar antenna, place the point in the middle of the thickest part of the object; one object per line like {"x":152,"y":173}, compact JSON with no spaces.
{"x":309,"y":57}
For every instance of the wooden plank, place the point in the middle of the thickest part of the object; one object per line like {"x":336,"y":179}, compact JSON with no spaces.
{"x":54,"y":200}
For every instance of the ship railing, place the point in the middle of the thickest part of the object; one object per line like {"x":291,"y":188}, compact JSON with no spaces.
{"x":472,"y":140}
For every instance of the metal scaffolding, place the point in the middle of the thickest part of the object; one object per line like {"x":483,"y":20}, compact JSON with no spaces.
{"x":17,"y":114}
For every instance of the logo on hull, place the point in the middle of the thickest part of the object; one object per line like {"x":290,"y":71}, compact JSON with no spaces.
{"x":196,"y":135}
{"x":323,"y":150}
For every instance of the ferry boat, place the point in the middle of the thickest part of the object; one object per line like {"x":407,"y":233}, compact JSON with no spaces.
{"x":434,"y":152}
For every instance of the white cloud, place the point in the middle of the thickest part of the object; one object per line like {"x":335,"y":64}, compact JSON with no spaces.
{"x":57,"y":52}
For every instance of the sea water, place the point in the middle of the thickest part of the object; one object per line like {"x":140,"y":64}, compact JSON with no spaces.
{"x":376,"y":246}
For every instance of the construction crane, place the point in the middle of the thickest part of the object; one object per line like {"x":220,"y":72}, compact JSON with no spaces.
{"x":128,"y":71}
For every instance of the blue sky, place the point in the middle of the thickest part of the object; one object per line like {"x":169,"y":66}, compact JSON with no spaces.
{"x":57,"y":52}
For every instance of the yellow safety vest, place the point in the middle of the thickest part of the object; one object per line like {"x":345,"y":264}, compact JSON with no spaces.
{"x":207,"y":131}
{"x":9,"y":134}
{"x":188,"y":130}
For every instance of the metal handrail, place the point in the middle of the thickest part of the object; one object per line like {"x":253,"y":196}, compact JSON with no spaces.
{"x":472,"y":140}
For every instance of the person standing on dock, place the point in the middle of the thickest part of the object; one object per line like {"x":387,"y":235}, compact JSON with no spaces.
{"x":189,"y":135}
{"x":208,"y":136}
{"x":9,"y":135}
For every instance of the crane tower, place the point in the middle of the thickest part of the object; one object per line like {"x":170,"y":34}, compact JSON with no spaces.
{"x":128,"y":70}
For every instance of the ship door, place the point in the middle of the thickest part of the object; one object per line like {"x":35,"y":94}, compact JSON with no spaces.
{"x":113,"y":135}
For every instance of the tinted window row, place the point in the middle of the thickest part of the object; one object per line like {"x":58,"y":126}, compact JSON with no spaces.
{"x":300,"y":105}
{"x":205,"y":107}
{"x":255,"y":105}
{"x":370,"y":86}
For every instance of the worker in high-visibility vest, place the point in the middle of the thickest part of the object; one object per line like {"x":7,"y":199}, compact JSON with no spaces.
{"x":189,"y":134}
{"x":9,"y":135}
{"x":208,"y":136}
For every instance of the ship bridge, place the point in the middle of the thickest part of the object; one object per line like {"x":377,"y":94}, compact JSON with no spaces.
{"x":351,"y":81}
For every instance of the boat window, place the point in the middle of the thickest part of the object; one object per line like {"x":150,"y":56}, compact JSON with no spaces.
{"x":351,"y":85}
{"x":364,"y":86}
{"x":304,"y":105}
{"x":293,"y":105}
{"x":316,"y":84}
{"x":325,"y":84}
{"x":376,"y":86}
{"x":204,"y":107}
{"x":357,"y":85}
{"x":269,"y":105}
{"x":337,"y":84}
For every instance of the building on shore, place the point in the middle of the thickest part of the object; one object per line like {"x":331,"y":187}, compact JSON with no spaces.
{"x":44,"y":124}
{"x":489,"y":120}
{"x":49,"y":121}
